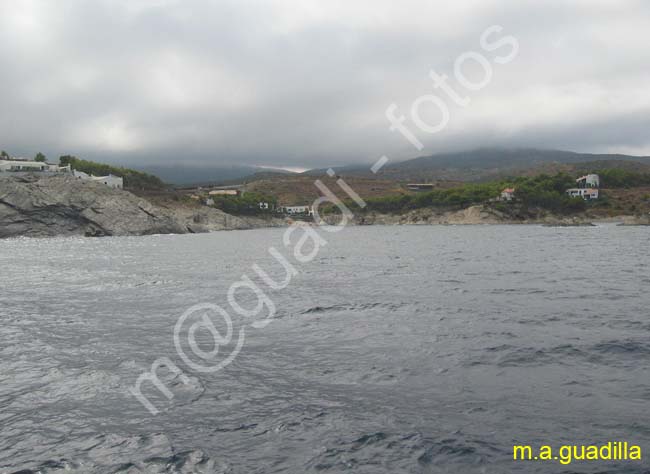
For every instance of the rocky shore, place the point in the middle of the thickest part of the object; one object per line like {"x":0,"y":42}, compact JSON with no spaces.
{"x":59,"y":205}
{"x":479,"y":214}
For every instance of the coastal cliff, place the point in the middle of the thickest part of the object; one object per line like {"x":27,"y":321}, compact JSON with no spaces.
{"x":38,"y":205}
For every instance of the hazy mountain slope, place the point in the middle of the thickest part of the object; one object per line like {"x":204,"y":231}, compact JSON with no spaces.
{"x":484,"y":163}
{"x":187,"y":175}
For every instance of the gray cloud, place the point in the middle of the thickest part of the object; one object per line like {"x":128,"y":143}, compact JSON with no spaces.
{"x":306,"y":82}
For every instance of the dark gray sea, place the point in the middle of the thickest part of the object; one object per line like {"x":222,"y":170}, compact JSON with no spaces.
{"x":423,"y":349}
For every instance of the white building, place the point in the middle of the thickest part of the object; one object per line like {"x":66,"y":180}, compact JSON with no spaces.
{"x":224,"y":192}
{"x":80,"y":174}
{"x":420,"y":186}
{"x":29,"y":165}
{"x":111,"y":181}
{"x":508,"y":194}
{"x":589,"y":181}
{"x":587,"y":187}
{"x":585,"y":193}
{"x":292,"y":210}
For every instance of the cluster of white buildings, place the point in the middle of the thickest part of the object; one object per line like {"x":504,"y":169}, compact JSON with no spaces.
{"x":18,"y":165}
{"x":290,"y":210}
{"x":21,"y":165}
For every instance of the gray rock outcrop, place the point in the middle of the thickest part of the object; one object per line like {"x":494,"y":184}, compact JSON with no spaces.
{"x":48,"y":205}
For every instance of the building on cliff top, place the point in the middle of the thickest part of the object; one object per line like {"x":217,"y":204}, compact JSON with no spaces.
{"x":21,"y":165}
{"x":115,"y":182}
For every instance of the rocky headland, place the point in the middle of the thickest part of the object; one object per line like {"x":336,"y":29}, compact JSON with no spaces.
{"x":37,"y":205}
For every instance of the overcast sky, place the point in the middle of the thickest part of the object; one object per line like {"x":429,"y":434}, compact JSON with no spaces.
{"x":306,"y":83}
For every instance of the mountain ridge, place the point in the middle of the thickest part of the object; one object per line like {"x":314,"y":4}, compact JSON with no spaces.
{"x":481,"y":163}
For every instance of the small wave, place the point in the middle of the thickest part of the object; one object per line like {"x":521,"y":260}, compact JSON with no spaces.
{"x":626,"y":347}
{"x":351,"y":307}
{"x":375,"y":451}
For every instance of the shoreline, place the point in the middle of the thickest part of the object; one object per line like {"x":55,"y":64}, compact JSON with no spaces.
{"x":41,"y":206}
{"x":613,"y":221}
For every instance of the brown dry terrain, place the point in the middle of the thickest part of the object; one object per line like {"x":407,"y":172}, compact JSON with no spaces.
{"x":624,"y":201}
{"x":577,"y":169}
{"x":300,"y":189}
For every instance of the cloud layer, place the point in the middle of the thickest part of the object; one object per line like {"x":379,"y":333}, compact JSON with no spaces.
{"x":307,"y":82}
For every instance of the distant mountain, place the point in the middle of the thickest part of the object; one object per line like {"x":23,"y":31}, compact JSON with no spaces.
{"x":484,"y":163}
{"x":191,"y":175}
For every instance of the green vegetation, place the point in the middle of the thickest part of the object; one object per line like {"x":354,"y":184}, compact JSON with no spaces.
{"x":40,"y":157}
{"x":618,"y":178}
{"x":548,"y":192}
{"x":132,"y":179}
{"x":456,"y":197}
{"x":4,"y":155}
{"x":543,"y":191}
{"x":245,"y":204}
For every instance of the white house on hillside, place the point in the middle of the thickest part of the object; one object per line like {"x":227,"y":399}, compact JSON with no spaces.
{"x":508,"y":194}
{"x":587,"y":187}
{"x":585,"y":193}
{"x":298,"y":210}
{"x":589,"y":181}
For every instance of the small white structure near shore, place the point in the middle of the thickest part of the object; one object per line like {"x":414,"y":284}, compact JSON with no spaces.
{"x":507,"y":194}
{"x":293,"y":210}
{"x":585,"y":193}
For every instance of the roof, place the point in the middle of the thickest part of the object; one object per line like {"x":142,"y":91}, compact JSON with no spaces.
{"x":508,"y":190}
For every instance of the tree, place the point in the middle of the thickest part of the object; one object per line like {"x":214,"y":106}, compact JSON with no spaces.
{"x":4,"y":155}
{"x":39,"y":157}
{"x":66,"y":159}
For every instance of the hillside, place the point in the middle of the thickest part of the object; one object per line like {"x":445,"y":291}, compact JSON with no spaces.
{"x":209,"y":174}
{"x":491,"y":163}
{"x":300,"y":189}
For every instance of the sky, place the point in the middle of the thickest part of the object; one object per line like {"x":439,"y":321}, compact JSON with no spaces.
{"x":306,"y":83}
